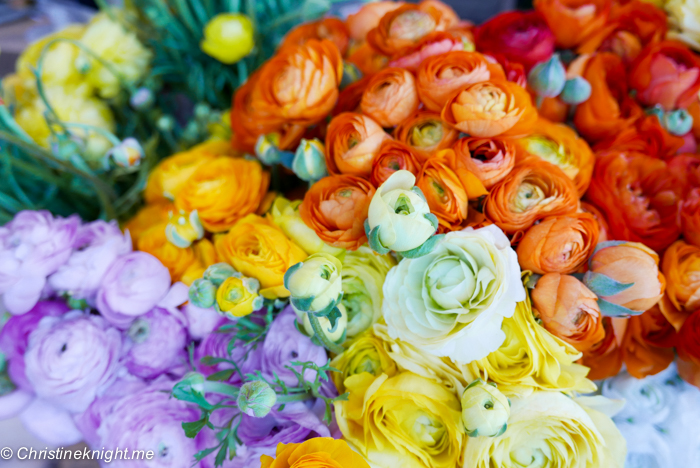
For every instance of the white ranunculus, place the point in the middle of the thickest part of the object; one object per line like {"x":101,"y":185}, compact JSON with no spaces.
{"x":648,"y":400}
{"x":452,"y":301}
{"x":682,"y":425}
{"x":400,"y":213}
{"x":647,"y":447}
{"x":684,"y":17}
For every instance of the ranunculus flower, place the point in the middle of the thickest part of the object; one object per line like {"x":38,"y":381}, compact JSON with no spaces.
{"x":404,"y":420}
{"x":368,"y":60}
{"x":440,"y":76}
{"x":284,"y":344}
{"x":605,"y":357}
{"x":425,"y":133}
{"x":573,"y":21}
{"x":156,"y":343}
{"x":609,"y":110}
{"x":132,"y":286}
{"x":558,"y":244}
{"x":448,"y":186}
{"x":552,"y":430}
{"x":228,"y":37}
{"x":681,"y":268}
{"x":368,"y":17}
{"x":171,"y":173}
{"x":336,"y":207}
{"x":520,"y":36}
{"x":368,"y":353}
{"x":458,"y":295}
{"x":404,"y":27}
{"x":148,"y":216}
{"x":393,"y":156}
{"x":223,"y":191}
{"x":100,"y":244}
{"x":316,"y":279}
{"x":639,"y":197}
{"x":332,"y":29}
{"x":533,"y":190}
{"x":351,"y":144}
{"x":351,"y":95}
{"x":238,"y":297}
{"x":647,"y":136}
{"x":485,"y":410}
{"x":70,"y":359}
{"x":178,"y":260}
{"x":569,"y":310}
{"x":647,"y":344}
{"x":435,"y":43}
{"x":32,"y":246}
{"x":314,"y":452}
{"x":390,"y":96}
{"x":647,"y":401}
{"x":667,"y":74}
{"x":561,"y":146}
{"x":688,"y":339}
{"x":491,"y":108}
{"x":257,"y":248}
{"x":363,"y":275}
{"x":689,"y":217}
{"x":603,"y":227}
{"x":686,"y":168}
{"x":630,"y":263}
{"x":490,"y":159}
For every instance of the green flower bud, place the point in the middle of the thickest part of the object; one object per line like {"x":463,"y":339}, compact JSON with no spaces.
{"x":201,"y":111}
{"x":142,"y":99}
{"x":576,"y":90}
{"x":128,"y":153}
{"x":485,"y":410}
{"x":309,"y":161}
{"x":202,"y":293}
{"x":547,"y":79}
{"x":165,"y":123}
{"x":256,"y":398}
{"x":657,"y":111}
{"x":218,"y":273}
{"x":678,"y":122}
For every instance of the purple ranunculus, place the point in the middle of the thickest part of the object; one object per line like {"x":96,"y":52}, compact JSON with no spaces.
{"x":216,"y":345}
{"x":156,"y":343}
{"x":72,"y":358}
{"x":99,"y":244}
{"x":50,"y":423}
{"x":200,"y":322}
{"x":284,"y":344}
{"x":14,"y":337}
{"x":32,"y":246}
{"x":134,"y":284}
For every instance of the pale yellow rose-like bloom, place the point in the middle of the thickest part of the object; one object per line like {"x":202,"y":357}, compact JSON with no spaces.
{"x":550,"y":430}
{"x":684,"y":19}
{"x":363,"y":275}
{"x":485,"y":410}
{"x":315,"y":283}
{"x":405,"y":421}
{"x":366,"y":353}
{"x":110,"y":41}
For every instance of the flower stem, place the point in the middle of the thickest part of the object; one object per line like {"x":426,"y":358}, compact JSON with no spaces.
{"x":294,"y":397}
{"x":318,"y":331}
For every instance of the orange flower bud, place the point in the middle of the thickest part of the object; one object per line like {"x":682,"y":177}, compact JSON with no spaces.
{"x":492,"y":108}
{"x":368,"y":17}
{"x":336,"y":207}
{"x":393,"y":156}
{"x":681,"y":267}
{"x":425,"y":133}
{"x":390,"y":96}
{"x":352,"y":142}
{"x":440,"y":76}
{"x":558,"y":244}
{"x":332,"y":29}
{"x":568,"y":310}
{"x":573,"y":21}
{"x":690,"y":217}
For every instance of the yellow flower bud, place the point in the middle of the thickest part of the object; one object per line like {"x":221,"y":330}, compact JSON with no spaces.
{"x":238,"y":296}
{"x":315,"y":284}
{"x":228,"y":37}
{"x":183,"y":229}
{"x":485,"y":410}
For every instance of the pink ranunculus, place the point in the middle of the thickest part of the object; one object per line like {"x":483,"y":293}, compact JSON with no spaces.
{"x":434,"y":44}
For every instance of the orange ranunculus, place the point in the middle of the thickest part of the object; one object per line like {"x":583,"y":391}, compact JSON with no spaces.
{"x":560,"y":145}
{"x":639,"y":197}
{"x":320,"y":452}
{"x":350,"y":97}
{"x":603,"y":228}
{"x":605,"y":357}
{"x":681,"y":267}
{"x":490,"y":159}
{"x":573,"y":21}
{"x":390,"y":96}
{"x":554,"y":109}
{"x":425,"y":133}
{"x":689,"y":216}
{"x":686,"y":169}
{"x":631,"y":263}
{"x":404,"y":27}
{"x":689,"y":371}
{"x":533,"y":190}
{"x":630,"y":27}
{"x":666,"y":73}
{"x":171,"y":173}
{"x":147,"y":217}
{"x":492,"y":108}
{"x":368,"y":17}
{"x":336,"y":207}
{"x":568,"y":310}
{"x":332,"y":29}
{"x":440,"y":76}
{"x":256,"y":247}
{"x":645,"y":136}
{"x":248,"y":122}
{"x":435,"y":43}
{"x":688,"y":342}
{"x":609,"y":110}
{"x":446,"y":16}
{"x":393,"y":156}
{"x":175,"y":259}
{"x":449,"y":186}
{"x":367,"y":60}
{"x":647,"y":347}
{"x":558,"y":244}
{"x":223,"y":191}
{"x":694,"y":111}
{"x":352,"y":142}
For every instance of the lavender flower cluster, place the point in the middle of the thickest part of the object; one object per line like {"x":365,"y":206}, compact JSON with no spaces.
{"x":94,"y":336}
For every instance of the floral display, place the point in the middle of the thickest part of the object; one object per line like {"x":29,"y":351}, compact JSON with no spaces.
{"x":411,"y":240}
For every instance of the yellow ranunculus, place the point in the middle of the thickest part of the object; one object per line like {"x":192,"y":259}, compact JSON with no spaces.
{"x":238,"y":296}
{"x":683,"y":17}
{"x":205,"y":254}
{"x":259,"y":249}
{"x":112,"y":43}
{"x":405,"y":421}
{"x":366,"y":353}
{"x":285,"y":214}
{"x":531,"y":358}
{"x":363,"y":277}
{"x":550,"y":430}
{"x":228,"y":37}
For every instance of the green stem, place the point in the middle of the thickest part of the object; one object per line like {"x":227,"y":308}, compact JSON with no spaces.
{"x":321,"y":336}
{"x":294,"y":397}
{"x":90,"y":128}
{"x":221,"y":388}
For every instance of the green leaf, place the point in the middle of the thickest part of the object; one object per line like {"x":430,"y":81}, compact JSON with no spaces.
{"x":604,"y":286}
{"x":221,"y":375}
{"x":193,"y":428}
{"x":433,"y":220}
{"x":603,"y":245}
{"x":424,"y":249}
{"x":609,"y":309}
{"x":302,"y":303}
{"x":221,"y":456}
{"x":373,"y":238}
{"x":199,"y":456}
{"x":290,"y":271}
